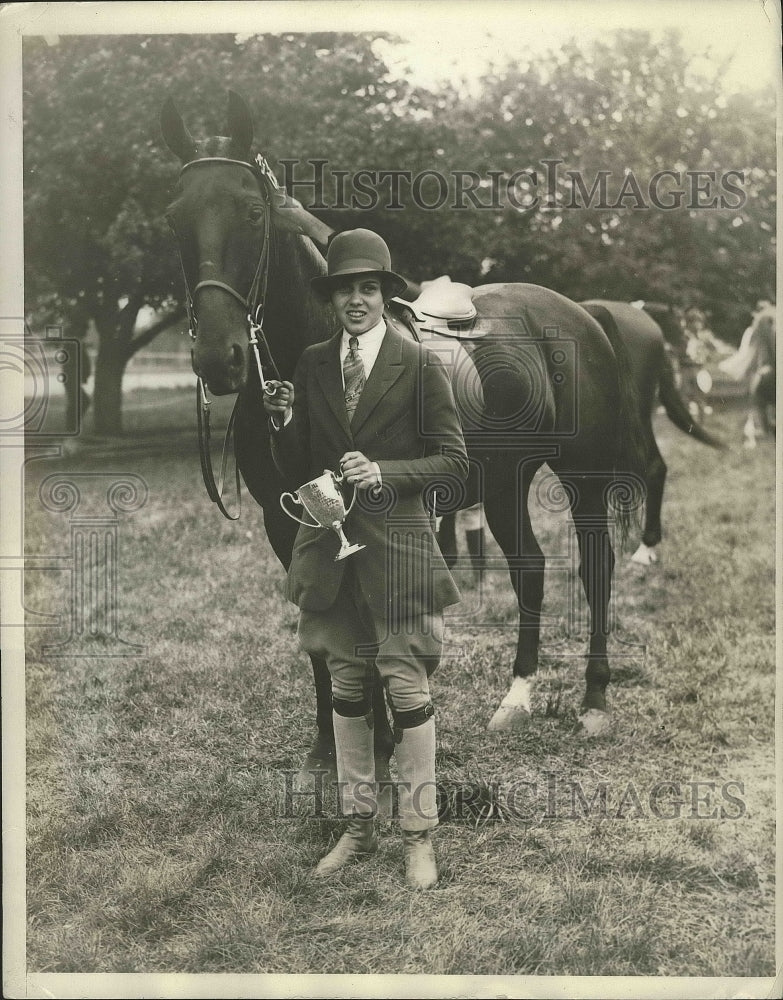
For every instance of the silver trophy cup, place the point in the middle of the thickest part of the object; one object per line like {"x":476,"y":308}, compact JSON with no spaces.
{"x":324,"y":502}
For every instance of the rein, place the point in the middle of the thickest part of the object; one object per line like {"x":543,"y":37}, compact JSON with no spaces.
{"x":253,"y":304}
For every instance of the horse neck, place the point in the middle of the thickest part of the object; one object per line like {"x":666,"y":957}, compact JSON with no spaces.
{"x":294,"y":317}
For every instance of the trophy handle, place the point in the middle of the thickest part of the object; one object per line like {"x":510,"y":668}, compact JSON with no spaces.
{"x":340,"y":478}
{"x":293,"y":517}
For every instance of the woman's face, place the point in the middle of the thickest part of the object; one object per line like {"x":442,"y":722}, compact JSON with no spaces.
{"x":358,"y":303}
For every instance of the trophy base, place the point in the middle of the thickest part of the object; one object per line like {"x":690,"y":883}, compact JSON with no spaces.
{"x":348,"y":550}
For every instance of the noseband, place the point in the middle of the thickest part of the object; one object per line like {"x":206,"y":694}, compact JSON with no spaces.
{"x":253,"y":304}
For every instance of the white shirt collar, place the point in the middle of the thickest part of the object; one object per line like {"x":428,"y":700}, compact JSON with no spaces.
{"x":371,"y":338}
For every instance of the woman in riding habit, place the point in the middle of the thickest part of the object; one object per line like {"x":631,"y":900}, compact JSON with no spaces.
{"x":379,"y":408}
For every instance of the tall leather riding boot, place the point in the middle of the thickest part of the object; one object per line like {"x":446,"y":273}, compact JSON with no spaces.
{"x":353,"y":737}
{"x":415,"y":755}
{"x":474,"y":539}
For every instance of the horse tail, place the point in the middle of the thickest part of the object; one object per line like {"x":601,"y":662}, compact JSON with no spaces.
{"x":631,"y":451}
{"x":677,"y":411}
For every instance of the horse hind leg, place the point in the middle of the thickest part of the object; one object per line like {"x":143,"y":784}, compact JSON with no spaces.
{"x":596,"y":565}
{"x":510,"y":525}
{"x":655,"y":480}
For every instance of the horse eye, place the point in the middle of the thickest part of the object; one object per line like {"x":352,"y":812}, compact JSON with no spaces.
{"x":256,"y":214}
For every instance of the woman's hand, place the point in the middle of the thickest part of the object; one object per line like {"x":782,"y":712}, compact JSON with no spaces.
{"x":279,"y":402}
{"x":359,"y":471}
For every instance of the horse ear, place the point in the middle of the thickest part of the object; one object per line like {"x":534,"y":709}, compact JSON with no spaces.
{"x":240,"y":124}
{"x":175,"y":133}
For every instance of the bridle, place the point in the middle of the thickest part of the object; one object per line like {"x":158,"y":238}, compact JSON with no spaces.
{"x":253,"y":304}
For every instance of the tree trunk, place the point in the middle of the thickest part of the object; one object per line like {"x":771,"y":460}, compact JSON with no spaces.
{"x":109,"y":369}
{"x":76,"y":327}
{"x":116,"y":347}
{"x":72,"y":399}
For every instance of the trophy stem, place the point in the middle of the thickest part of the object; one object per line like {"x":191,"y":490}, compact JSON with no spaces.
{"x":346,"y":548}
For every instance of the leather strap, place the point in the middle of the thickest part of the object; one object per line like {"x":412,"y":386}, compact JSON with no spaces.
{"x":215,"y":490}
{"x":351,"y":709}
{"x":413,"y":718}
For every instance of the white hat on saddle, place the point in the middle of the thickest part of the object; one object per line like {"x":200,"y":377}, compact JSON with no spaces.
{"x":443,"y":301}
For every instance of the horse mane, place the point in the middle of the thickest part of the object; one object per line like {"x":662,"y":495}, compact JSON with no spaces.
{"x":295,"y":317}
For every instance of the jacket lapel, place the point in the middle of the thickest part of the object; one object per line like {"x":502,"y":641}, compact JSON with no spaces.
{"x":330,"y":379}
{"x":387,"y":369}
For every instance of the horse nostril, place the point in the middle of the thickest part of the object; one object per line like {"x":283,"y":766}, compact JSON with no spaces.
{"x":237,"y":356}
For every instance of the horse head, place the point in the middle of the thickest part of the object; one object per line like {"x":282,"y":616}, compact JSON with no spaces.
{"x":221,"y":215}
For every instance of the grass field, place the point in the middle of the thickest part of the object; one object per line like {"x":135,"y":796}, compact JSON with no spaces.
{"x":158,"y":835}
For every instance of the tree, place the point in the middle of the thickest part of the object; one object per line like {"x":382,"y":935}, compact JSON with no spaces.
{"x":97,"y":176}
{"x":95,"y":186}
{"x":630,"y":106}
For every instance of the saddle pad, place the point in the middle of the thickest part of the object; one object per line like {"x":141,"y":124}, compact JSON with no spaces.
{"x":456,"y":358}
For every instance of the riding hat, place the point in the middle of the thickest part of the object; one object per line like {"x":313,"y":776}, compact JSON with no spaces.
{"x":358,"y":251}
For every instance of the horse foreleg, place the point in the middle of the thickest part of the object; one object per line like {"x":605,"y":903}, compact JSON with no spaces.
{"x":321,"y":755}
{"x":655,"y":480}
{"x":280,"y":531}
{"x":596,"y":565}
{"x":383,"y":735}
{"x":526,"y":569}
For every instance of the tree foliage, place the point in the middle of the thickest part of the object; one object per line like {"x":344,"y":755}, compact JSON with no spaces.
{"x":634,"y":107}
{"x":97,"y":176}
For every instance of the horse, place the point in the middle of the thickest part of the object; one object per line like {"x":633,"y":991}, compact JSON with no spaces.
{"x":557,"y":388}
{"x":649,"y":331}
{"x":763,"y":380}
{"x":653,"y":373}
{"x":756,"y":360}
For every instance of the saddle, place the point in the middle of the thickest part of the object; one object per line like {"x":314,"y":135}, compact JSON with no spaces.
{"x":446,"y":330}
{"x":444,"y":308}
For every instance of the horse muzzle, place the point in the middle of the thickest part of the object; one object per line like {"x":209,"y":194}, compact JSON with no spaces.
{"x":223,"y":371}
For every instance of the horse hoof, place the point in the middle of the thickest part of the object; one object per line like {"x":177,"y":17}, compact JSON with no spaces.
{"x":594,"y":722}
{"x":645,"y":556}
{"x":319,"y":764}
{"x":514,"y":710}
{"x":509,"y":717}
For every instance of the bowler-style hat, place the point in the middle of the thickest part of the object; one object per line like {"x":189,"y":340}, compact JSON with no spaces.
{"x":358,"y":251}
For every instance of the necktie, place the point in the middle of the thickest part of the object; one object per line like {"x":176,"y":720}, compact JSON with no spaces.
{"x":353,"y":372}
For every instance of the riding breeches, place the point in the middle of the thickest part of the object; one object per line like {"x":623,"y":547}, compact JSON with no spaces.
{"x":350,"y":641}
